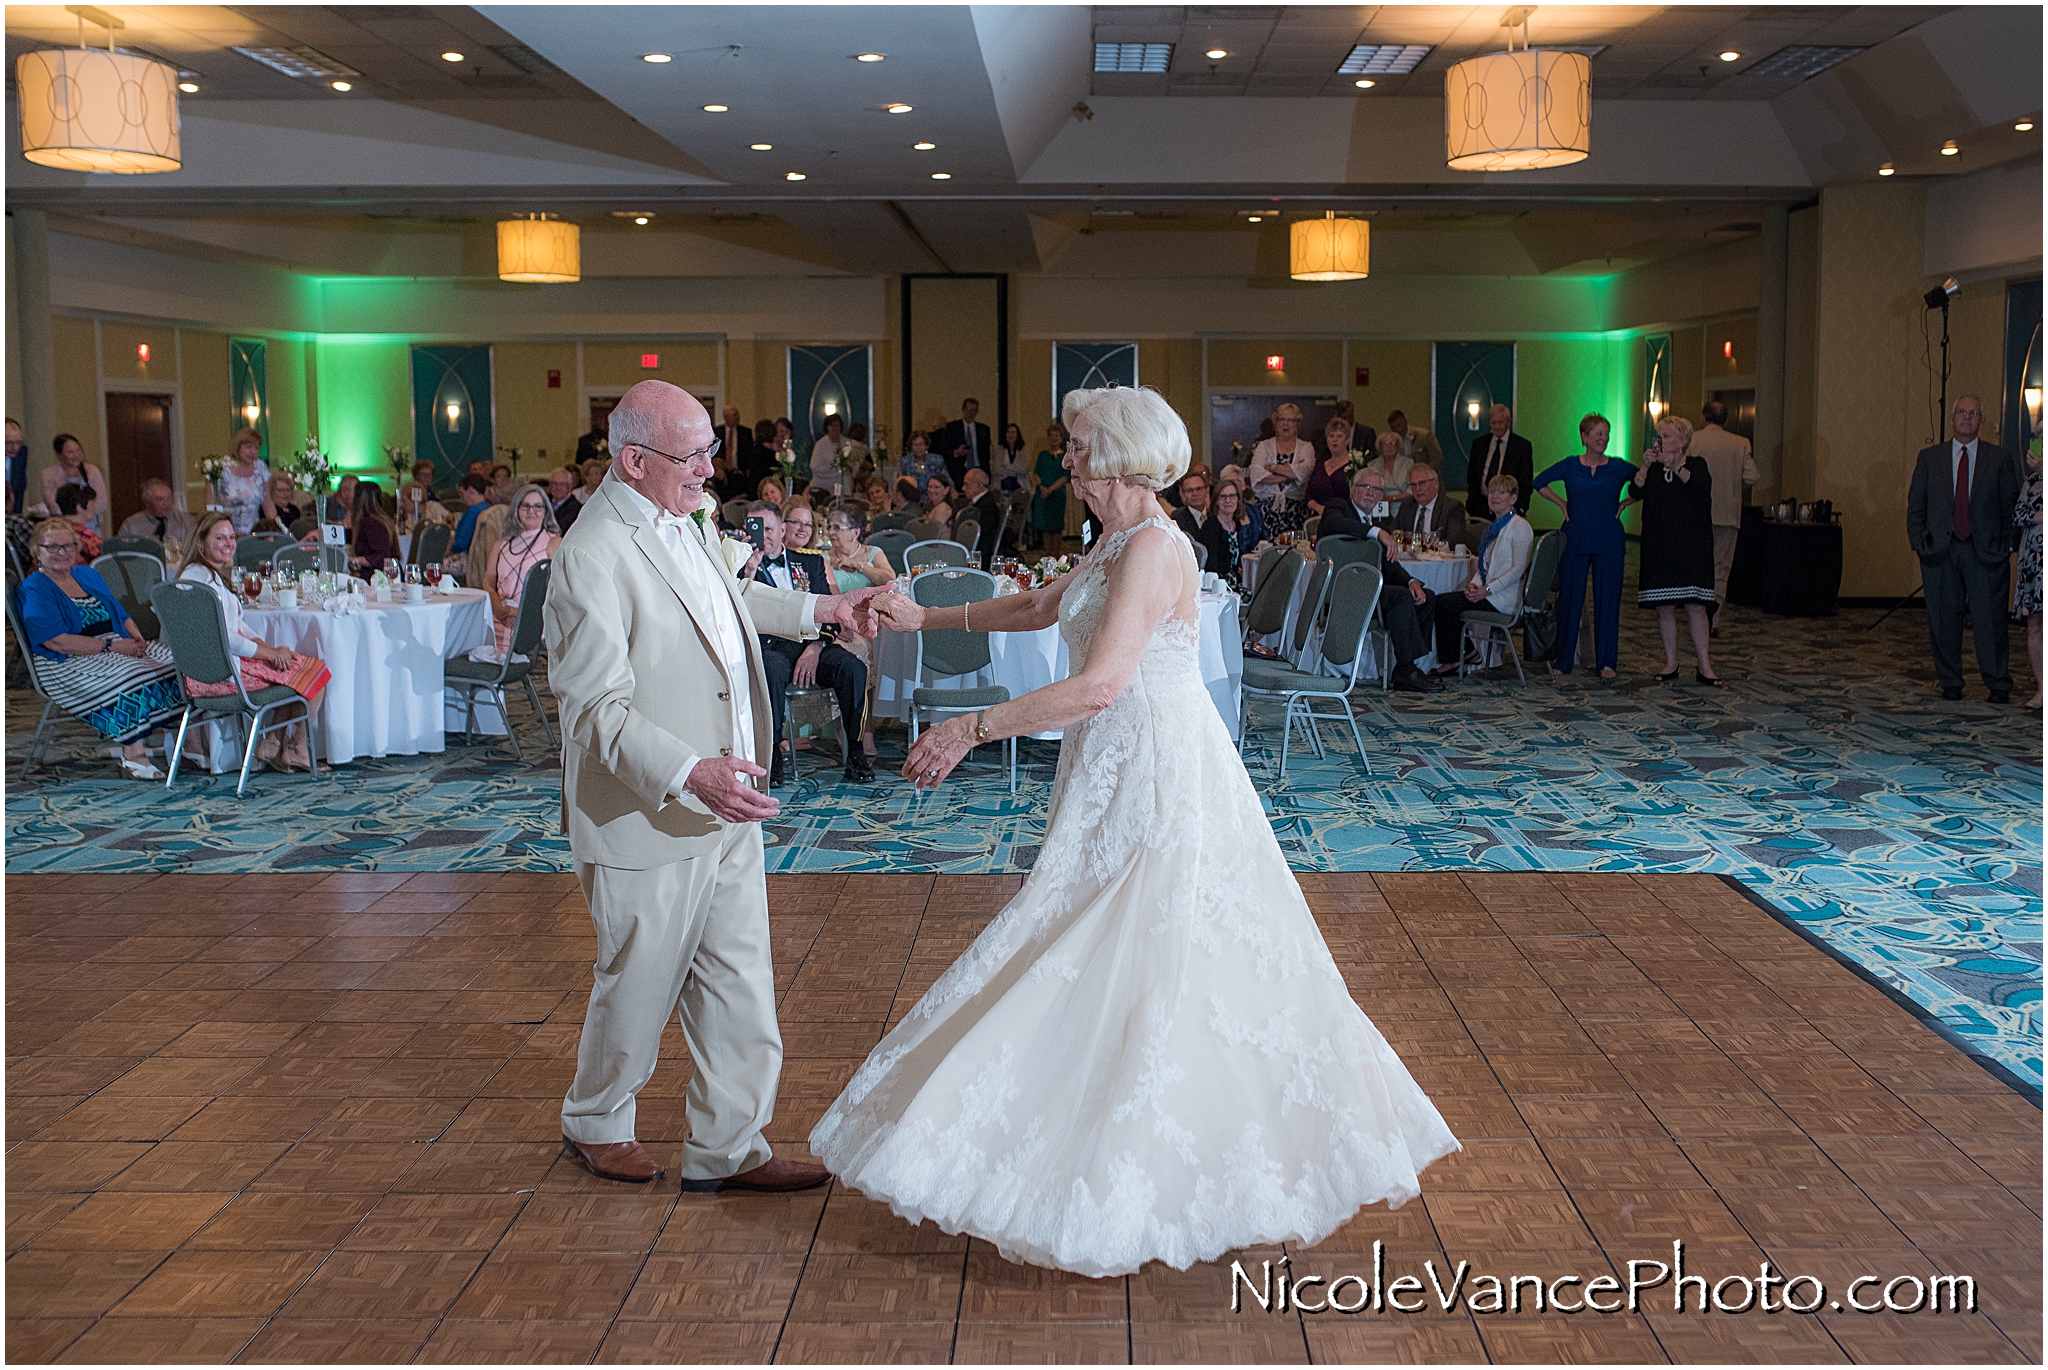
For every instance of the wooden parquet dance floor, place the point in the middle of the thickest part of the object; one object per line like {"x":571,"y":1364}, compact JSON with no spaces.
{"x":276,"y":1118}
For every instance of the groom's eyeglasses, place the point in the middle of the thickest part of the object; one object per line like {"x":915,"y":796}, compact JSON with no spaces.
{"x":705,"y":452}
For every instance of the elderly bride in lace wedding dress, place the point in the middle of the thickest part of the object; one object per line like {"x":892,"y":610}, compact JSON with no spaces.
{"x":1149,"y":1054}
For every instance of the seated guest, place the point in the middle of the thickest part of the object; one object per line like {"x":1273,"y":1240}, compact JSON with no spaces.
{"x":799,"y":525}
{"x":770,"y":491}
{"x":1239,"y":517}
{"x":375,"y":539}
{"x":907,"y":497}
{"x":766,"y":453}
{"x":1330,"y":476}
{"x":92,"y":658}
{"x":1496,"y":585}
{"x":1405,"y":603}
{"x":875,"y":495}
{"x":80,"y":504}
{"x":282,"y":500}
{"x":475,"y":492}
{"x":807,"y":665}
{"x":725,"y":483}
{"x":1393,"y":468}
{"x":938,"y":500}
{"x":1428,"y":513}
{"x":562,"y":497}
{"x":210,"y":561}
{"x":341,"y":505}
{"x":976,"y":495}
{"x":422,"y":482}
{"x":501,"y":484}
{"x":591,"y":473}
{"x":162,"y":519}
{"x":860,"y":454}
{"x":1198,"y":520}
{"x":533,"y":539}
{"x":854,"y":564}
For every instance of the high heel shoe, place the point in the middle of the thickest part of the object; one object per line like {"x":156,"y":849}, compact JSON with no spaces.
{"x":1667,"y":676}
{"x":1713,"y":680}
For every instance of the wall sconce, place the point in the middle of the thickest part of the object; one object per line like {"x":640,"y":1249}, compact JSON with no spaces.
{"x":1472,"y":416}
{"x":454,"y":415}
{"x":2032,"y":395}
{"x":251,"y":413}
{"x":1276,"y":363}
{"x":830,"y":409}
{"x":1656,"y":410}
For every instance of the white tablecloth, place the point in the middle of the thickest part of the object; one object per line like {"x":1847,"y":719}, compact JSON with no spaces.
{"x":1027,"y":661}
{"x":1439,"y":575}
{"x":387,"y":697}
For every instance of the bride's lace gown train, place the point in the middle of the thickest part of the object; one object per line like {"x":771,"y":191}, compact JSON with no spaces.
{"x":1149,"y":1054}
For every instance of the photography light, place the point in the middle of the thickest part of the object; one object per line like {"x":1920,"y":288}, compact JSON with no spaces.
{"x":1939,"y":296}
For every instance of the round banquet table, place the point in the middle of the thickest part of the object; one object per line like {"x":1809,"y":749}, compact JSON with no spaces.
{"x":1026,"y":661}
{"x":388,"y":697}
{"x":1438,"y":574}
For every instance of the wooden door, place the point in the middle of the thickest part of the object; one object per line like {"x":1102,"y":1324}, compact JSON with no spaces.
{"x":138,"y":449}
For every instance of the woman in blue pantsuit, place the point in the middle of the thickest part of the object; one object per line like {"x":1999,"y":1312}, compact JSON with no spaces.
{"x":1594,"y":486}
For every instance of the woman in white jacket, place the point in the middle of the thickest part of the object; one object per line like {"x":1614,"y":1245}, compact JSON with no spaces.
{"x":1496,"y":584}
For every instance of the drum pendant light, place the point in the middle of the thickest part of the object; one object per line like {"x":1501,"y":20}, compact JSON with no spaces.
{"x":87,"y":110}
{"x":1329,"y":249}
{"x":1518,"y":110}
{"x":539,"y":249}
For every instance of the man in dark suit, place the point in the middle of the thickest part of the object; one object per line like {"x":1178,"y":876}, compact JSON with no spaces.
{"x":807,"y":664}
{"x":1500,"y":452}
{"x":1197,"y":519}
{"x":964,"y":443}
{"x":1959,"y":520}
{"x":975,"y":492}
{"x":562,"y":497}
{"x":1427,"y":511}
{"x":1405,"y":603}
{"x":736,"y":443}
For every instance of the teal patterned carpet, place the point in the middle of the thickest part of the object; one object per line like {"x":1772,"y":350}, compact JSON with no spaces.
{"x":1828,"y":777}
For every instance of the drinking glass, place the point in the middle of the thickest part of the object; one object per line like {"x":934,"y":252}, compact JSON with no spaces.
{"x":391,"y":569}
{"x":252,"y":584}
{"x":434,"y":574}
{"x":412,"y":574}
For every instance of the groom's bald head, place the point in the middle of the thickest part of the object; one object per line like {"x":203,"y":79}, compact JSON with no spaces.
{"x":654,"y":418}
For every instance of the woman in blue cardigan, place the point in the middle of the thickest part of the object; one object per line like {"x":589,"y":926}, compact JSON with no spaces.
{"x":90,"y":656}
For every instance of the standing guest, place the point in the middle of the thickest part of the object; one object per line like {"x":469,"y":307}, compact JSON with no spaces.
{"x":736,"y":443}
{"x":1364,"y":437}
{"x":1501,"y":452}
{"x":2026,"y":516}
{"x":534,"y":538}
{"x":1330,"y":480}
{"x":1007,"y":467}
{"x":1390,"y":466}
{"x":161,"y":518}
{"x":595,"y":442}
{"x":72,"y":468}
{"x":821,"y":661}
{"x":210,"y":560}
{"x":1496,"y":583}
{"x":1594,"y":485}
{"x":770,"y":490}
{"x":824,"y":461}
{"x":766,"y":455}
{"x":1733,"y":468}
{"x":375,"y":538}
{"x":785,"y":439}
{"x":1428,"y":514}
{"x":17,"y":468}
{"x":1238,"y":516}
{"x":858,"y":456}
{"x":341,"y":505}
{"x":1280,"y":467}
{"x":80,"y":506}
{"x":977,"y":496}
{"x":964,"y":443}
{"x":1049,"y":478}
{"x":1959,"y":521}
{"x":1677,"y":491}
{"x":1419,"y":445}
{"x":1198,"y":520}
{"x":938,"y":500}
{"x":244,"y":486}
{"x":95,"y":663}
{"x":562,"y":501}
{"x":1406,"y":604}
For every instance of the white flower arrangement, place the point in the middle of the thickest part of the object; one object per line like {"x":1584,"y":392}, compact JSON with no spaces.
{"x":215,"y":466}
{"x":311,"y":466}
{"x":401,"y":461}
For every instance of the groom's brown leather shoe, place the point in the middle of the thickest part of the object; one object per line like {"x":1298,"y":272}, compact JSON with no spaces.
{"x":775,"y":1176}
{"x":625,"y":1161}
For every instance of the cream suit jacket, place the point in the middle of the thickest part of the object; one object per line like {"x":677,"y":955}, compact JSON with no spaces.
{"x":634,"y":663}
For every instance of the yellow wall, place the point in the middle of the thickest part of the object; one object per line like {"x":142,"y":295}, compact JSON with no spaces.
{"x":1397,"y":378}
{"x":542,"y":423}
{"x":953,"y":356}
{"x":208,"y":418}
{"x":78,"y":398}
{"x":692,"y":365}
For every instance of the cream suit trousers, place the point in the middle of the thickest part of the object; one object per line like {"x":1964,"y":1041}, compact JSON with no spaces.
{"x":689,"y":938}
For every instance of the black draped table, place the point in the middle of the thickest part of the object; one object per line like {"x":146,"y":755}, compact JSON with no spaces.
{"x":1786,"y":568}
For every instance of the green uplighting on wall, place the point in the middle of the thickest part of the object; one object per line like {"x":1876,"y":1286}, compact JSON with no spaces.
{"x":364,"y":398}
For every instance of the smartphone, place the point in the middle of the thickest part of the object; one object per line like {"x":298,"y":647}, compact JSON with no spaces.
{"x":755,"y":534}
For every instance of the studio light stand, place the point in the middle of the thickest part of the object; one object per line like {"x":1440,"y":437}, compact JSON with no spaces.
{"x":1937,"y":298}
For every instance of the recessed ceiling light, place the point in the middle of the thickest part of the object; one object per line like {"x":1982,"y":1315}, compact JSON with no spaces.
{"x":1254,"y":218}
{"x":792,"y":175}
{"x":869,"y":56}
{"x":1730,"y":56}
{"x":641,"y":219}
{"x":192,"y":88}
{"x":2023,"y":126}
{"x":762,"y":147}
{"x":1887,"y":169}
{"x":1949,"y":148}
{"x":898,"y":108}
{"x":1364,"y":84}
{"x":715,"y":109}
{"x":656,"y":57}
{"x":923,"y":147}
{"x":343,"y":86}
{"x":1216,"y":54}
{"x":451,"y":57}
{"x":942,"y":175}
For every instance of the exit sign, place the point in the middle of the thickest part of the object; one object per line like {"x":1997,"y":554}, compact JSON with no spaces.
{"x":649,"y":360}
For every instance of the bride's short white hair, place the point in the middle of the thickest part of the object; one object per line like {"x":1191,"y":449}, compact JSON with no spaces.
{"x":1138,"y":437}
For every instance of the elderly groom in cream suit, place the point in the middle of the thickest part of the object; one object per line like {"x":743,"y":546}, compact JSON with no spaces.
{"x":654,"y":657}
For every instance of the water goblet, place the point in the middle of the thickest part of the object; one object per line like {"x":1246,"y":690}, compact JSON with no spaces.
{"x":434,"y":574}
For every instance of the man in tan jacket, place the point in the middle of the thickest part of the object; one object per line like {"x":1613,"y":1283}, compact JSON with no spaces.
{"x":654,"y":657}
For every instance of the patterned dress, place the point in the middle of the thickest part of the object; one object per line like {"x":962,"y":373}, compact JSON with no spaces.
{"x":125,"y":698}
{"x":242,"y":496}
{"x":1150,"y":1053}
{"x":2026,"y":597}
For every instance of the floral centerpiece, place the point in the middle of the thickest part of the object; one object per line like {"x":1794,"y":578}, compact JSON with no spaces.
{"x":512,"y":456}
{"x":401,"y":462}
{"x":215,"y":466}
{"x":785,"y":462}
{"x":310,"y":466}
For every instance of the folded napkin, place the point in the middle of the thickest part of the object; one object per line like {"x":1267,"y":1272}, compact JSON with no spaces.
{"x":347,"y":604}
{"x":490,"y":655}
